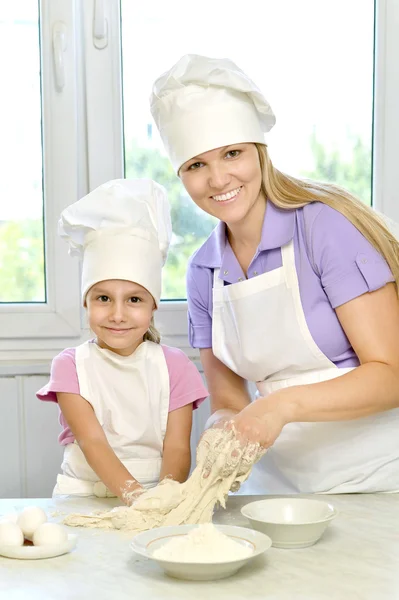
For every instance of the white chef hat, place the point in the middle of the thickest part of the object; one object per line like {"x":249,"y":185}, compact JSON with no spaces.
{"x":121,"y":230}
{"x":205,"y":103}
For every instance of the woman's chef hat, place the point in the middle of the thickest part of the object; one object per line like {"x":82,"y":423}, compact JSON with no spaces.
{"x":121,"y":230}
{"x":205,"y":103}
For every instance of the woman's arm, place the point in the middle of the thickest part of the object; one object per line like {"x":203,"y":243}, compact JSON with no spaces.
{"x":371,"y":323}
{"x":91,"y":438}
{"x":176,"y":459}
{"x":228,"y":391}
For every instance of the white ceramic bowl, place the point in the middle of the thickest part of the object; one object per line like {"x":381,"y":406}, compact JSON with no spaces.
{"x":147,"y":542}
{"x":290,"y":522}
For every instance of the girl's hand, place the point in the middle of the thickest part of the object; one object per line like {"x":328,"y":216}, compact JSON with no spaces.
{"x":131,"y":492}
{"x":261,"y":421}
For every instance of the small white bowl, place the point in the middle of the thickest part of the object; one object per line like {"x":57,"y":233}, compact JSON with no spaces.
{"x":290,"y":522}
{"x":147,"y":542}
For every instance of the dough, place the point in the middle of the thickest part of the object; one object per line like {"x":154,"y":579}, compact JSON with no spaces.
{"x":222,"y":464}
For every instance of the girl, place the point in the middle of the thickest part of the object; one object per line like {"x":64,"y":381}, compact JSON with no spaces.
{"x":126,"y":401}
{"x":296,"y":290}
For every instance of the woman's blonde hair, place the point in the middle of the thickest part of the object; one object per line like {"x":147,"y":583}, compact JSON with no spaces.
{"x":288,"y":192}
{"x":152,"y":335}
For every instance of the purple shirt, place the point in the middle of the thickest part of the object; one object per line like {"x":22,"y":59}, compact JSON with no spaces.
{"x":334,"y":262}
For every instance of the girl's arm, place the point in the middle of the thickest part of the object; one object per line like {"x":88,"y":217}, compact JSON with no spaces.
{"x":176,"y":460}
{"x":228,"y":391}
{"x":91,"y":438}
{"x":371,"y":323}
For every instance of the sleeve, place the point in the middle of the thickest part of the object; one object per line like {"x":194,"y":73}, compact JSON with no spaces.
{"x":186,"y":386}
{"x":199,"y":301}
{"x":347,"y":264}
{"x":63,"y":377}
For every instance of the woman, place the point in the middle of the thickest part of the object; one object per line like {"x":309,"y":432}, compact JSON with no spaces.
{"x":296,"y":290}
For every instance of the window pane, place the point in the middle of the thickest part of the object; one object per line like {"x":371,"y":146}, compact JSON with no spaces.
{"x":314,"y":62}
{"x":22,"y":276}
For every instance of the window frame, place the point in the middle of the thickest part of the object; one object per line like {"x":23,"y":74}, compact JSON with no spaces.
{"x":386,"y":99}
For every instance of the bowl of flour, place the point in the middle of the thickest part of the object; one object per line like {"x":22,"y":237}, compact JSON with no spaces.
{"x":201,"y":552}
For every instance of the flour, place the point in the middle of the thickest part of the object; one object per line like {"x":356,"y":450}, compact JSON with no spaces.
{"x":204,"y":544}
{"x":222,"y":464}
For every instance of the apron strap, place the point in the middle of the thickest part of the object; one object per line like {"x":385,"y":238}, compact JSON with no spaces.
{"x":288,"y":260}
{"x":163,"y":373}
{"x":217,"y":282}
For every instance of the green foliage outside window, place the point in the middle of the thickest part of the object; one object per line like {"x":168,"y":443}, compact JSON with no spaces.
{"x":21,"y":242}
{"x":192,"y":226}
{"x":22,"y":261}
{"x":354,"y":175}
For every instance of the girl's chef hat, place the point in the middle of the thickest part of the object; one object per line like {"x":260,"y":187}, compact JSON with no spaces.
{"x":205,"y":103}
{"x":121,"y":230}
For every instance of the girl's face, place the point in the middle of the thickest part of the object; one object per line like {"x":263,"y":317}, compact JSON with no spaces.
{"x":119,"y":314}
{"x":225,"y":182}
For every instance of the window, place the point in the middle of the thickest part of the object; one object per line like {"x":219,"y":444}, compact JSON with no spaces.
{"x":39,"y":288}
{"x":303,"y":57}
{"x":76,"y":114}
{"x":22,"y":276}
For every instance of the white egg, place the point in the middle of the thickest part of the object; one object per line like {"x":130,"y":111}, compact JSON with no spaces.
{"x":10,"y":534}
{"x":30,"y":519}
{"x":49,"y":534}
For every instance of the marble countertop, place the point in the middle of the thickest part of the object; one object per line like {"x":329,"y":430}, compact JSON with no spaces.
{"x":357,"y":559}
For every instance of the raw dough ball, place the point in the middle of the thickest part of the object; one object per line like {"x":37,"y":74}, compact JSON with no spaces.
{"x":100,"y":490}
{"x":49,"y":534}
{"x":30,"y":519}
{"x":10,"y":534}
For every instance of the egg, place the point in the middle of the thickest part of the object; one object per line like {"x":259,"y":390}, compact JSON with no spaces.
{"x":49,"y":534}
{"x":30,"y":519}
{"x":10,"y":534}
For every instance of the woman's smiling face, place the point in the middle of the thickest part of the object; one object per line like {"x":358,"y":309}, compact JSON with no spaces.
{"x":225,"y":182}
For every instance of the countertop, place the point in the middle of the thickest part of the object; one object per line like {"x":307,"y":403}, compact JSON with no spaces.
{"x":356,"y":559}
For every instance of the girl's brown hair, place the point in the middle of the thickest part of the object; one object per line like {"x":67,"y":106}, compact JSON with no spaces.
{"x":152,"y":335}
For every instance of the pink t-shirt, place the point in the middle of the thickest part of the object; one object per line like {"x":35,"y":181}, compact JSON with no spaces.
{"x":186,"y":386}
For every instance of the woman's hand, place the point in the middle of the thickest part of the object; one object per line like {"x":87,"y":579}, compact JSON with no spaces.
{"x":261,"y":421}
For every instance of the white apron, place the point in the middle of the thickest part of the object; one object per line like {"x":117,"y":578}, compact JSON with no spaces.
{"x":260,"y":332}
{"x":130,"y":397}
